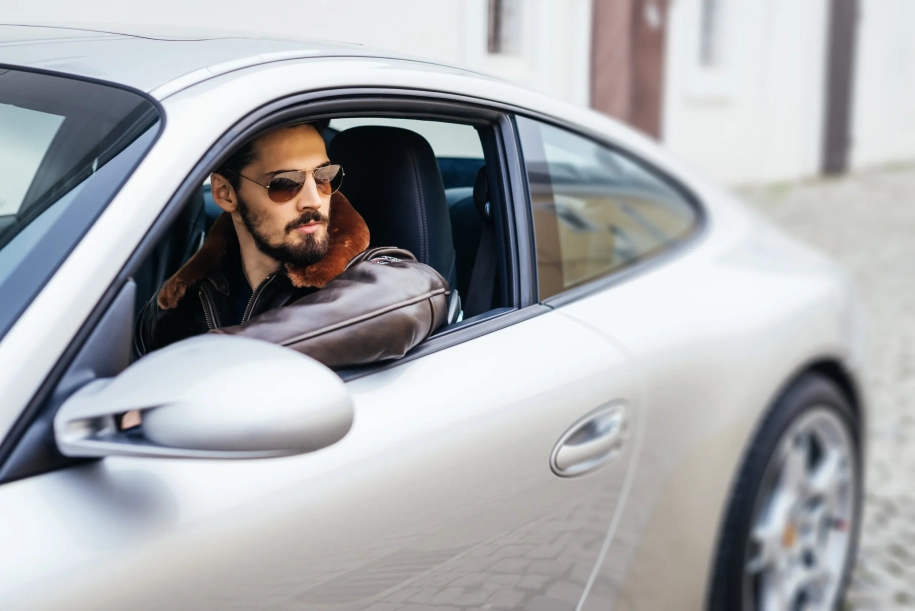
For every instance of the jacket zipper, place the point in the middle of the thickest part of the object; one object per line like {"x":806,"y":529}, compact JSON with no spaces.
{"x":206,"y":310}
{"x":258,"y":290}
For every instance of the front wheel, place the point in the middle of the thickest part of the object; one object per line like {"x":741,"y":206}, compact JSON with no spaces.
{"x":791,"y":531}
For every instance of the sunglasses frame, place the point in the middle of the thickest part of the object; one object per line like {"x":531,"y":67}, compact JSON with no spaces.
{"x":305,"y":172}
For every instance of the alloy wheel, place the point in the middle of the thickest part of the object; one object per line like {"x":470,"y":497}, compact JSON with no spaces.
{"x":801,"y":527}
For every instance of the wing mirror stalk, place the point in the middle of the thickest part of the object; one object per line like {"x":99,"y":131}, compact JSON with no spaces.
{"x":210,"y":397}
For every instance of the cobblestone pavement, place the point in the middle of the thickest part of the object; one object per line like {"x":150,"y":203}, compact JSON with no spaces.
{"x":867,"y":222}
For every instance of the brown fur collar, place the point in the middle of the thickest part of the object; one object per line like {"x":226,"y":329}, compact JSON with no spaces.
{"x":348,"y":235}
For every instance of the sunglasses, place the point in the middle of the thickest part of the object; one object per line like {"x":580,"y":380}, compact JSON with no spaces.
{"x":286,"y":185}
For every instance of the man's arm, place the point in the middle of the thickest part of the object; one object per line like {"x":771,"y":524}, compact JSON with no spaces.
{"x":384,"y":304}
{"x":156,"y":328}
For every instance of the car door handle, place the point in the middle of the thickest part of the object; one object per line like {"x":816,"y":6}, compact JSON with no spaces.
{"x":591,"y":442}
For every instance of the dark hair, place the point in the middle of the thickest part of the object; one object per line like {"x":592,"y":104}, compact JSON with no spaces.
{"x":245,"y":154}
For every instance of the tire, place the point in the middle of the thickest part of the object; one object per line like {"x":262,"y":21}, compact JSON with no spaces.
{"x":811,"y":398}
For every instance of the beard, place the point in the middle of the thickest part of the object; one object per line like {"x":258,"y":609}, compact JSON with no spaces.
{"x":308,"y":252}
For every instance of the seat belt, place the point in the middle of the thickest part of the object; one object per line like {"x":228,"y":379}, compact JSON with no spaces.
{"x":482,"y":278}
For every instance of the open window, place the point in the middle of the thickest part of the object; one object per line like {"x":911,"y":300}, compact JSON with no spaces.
{"x":446,"y":226}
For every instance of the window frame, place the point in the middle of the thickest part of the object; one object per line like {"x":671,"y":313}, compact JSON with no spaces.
{"x":519,"y":266}
{"x":648,"y":260}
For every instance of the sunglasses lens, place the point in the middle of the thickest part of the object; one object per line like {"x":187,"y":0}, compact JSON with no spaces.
{"x":284,"y":187}
{"x":328,"y":179}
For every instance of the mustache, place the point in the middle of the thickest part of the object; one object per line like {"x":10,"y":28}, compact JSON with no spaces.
{"x":309,"y":216}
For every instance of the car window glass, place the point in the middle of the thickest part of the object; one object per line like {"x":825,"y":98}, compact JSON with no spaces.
{"x":27,"y":134}
{"x":63,"y":144}
{"x":25,"y":240}
{"x":595,"y":210}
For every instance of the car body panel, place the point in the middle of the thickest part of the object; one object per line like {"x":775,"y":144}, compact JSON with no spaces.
{"x":715,"y":330}
{"x":444,"y":475}
{"x":716,"y":334}
{"x":149,"y":58}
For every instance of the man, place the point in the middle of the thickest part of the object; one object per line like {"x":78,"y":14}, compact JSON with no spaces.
{"x":287,"y":263}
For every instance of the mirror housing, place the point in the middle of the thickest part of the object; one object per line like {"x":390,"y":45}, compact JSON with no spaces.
{"x":210,"y":397}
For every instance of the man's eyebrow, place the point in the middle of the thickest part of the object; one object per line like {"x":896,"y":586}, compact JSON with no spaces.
{"x":275,"y":172}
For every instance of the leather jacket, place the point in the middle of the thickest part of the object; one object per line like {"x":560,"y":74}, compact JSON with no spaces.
{"x":378,"y":305}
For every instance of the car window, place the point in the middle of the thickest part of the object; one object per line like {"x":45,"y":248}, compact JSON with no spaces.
{"x":28,"y":134}
{"x":459,"y":153}
{"x":595,"y":209}
{"x":455,"y":238}
{"x":61,"y":147}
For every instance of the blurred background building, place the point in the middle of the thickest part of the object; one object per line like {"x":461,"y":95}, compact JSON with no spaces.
{"x":750,"y":91}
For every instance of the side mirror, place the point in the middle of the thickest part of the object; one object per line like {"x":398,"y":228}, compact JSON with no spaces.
{"x":210,"y":397}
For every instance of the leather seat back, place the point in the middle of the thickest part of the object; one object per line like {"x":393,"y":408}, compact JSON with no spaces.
{"x":393,"y":180}
{"x":178,"y":245}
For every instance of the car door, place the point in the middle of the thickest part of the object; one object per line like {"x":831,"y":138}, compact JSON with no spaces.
{"x":441,"y":492}
{"x":603,"y":217}
{"x":485,"y":473}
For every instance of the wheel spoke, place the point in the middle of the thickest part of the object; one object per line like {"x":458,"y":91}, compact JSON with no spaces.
{"x":766,"y":539}
{"x":794,"y":475}
{"x":790,"y":586}
{"x":825,"y":478}
{"x":772,"y":597}
{"x":768,"y":532}
{"x":815,"y":581}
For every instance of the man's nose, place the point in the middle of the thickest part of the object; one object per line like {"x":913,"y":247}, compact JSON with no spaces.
{"x":308,"y":196}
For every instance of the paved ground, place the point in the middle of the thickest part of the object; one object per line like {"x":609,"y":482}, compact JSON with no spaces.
{"x":867,"y":221}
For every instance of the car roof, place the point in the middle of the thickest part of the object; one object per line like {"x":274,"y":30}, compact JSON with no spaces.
{"x":166,"y":58}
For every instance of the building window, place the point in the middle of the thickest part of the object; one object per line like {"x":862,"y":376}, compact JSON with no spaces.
{"x":504,"y":27}
{"x":711,"y":41}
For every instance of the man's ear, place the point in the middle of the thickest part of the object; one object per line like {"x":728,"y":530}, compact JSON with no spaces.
{"x":223,"y":193}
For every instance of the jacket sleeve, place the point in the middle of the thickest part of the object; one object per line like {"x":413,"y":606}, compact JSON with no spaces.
{"x":144,"y":331}
{"x":381,"y":306}
{"x":156,"y":328}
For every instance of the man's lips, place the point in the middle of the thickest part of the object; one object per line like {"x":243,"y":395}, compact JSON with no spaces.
{"x":311,"y":227}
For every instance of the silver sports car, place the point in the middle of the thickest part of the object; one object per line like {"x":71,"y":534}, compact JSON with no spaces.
{"x":646,"y":397}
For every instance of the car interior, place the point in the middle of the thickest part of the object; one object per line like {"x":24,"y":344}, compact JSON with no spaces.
{"x":419,"y":184}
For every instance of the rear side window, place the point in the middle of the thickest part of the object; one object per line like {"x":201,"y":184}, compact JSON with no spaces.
{"x":595,"y":210}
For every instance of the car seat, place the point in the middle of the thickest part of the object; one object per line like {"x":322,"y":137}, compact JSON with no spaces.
{"x":183,"y":238}
{"x":393,"y":181}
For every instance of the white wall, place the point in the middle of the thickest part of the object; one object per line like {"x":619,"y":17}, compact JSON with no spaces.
{"x":557,"y":48}
{"x":759,"y":117}
{"x":555,"y":42}
{"x":883,"y":103}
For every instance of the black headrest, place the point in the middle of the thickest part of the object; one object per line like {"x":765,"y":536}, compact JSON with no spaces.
{"x":393,"y":180}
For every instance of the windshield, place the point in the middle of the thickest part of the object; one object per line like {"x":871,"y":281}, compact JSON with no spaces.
{"x":66,"y":146}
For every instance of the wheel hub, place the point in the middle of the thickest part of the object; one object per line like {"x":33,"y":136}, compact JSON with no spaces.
{"x":799,"y":538}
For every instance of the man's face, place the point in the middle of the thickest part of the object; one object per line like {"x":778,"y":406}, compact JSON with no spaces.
{"x":294,"y":231}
